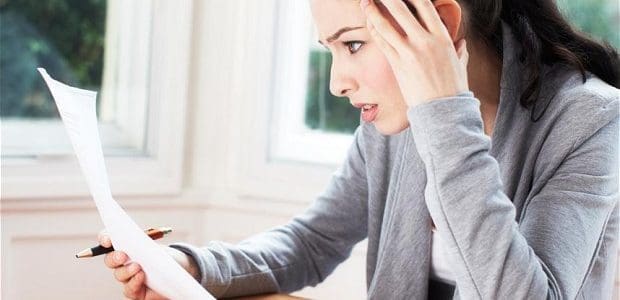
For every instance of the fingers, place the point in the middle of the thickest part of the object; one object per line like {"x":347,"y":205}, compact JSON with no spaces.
{"x":385,"y":47}
{"x":125,"y":273}
{"x":115,"y":259}
{"x":104,"y":239}
{"x":428,"y":15}
{"x":135,"y":287}
{"x":383,"y":32}
{"x":399,"y":10}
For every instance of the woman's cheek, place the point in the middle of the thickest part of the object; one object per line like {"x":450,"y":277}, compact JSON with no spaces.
{"x":379,"y":75}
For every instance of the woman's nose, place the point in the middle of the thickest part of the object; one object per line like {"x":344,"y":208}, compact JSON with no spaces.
{"x":341,"y":84}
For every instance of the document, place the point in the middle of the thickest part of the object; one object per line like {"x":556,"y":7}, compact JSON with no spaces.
{"x":164,"y":275}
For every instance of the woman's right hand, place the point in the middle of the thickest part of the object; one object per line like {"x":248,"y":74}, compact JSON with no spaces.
{"x":130,"y":276}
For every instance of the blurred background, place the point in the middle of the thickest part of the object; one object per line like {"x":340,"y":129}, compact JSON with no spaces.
{"x":215,"y":117}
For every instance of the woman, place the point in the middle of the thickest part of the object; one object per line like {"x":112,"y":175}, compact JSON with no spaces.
{"x":484,"y":169}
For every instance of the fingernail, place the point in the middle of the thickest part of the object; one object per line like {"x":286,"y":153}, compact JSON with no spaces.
{"x":118,"y":257}
{"x":363,"y":4}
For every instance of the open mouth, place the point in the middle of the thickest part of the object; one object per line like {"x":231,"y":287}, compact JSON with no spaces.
{"x":369,"y":112}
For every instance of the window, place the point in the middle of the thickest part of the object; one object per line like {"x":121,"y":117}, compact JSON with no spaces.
{"x":309,"y":124}
{"x":35,"y":35}
{"x":70,"y":39}
{"x":134,"y":53}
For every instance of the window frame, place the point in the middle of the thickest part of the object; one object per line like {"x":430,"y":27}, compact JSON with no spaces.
{"x":291,"y":139}
{"x":157,"y":169}
{"x":261,"y":171}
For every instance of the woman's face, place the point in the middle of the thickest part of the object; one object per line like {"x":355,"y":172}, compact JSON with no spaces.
{"x":359,"y":69}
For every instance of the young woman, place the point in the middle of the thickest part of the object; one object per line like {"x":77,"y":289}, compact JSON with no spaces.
{"x":486,"y":165}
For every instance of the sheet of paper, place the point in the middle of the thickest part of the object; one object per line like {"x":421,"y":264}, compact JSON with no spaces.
{"x":78,"y":112}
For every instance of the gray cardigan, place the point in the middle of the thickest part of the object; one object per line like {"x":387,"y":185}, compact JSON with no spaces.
{"x":530,"y":213}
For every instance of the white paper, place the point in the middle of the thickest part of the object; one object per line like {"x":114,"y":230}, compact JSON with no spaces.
{"x":78,"y":112}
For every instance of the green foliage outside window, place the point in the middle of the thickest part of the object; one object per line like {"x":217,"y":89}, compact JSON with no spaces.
{"x":64,"y":36}
{"x":323,"y":110}
{"x":599,"y":18}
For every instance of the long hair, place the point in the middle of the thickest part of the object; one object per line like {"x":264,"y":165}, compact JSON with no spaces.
{"x":546,"y":38}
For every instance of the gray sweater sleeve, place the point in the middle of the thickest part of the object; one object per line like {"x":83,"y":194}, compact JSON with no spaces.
{"x":300,"y":253}
{"x":550,"y":251}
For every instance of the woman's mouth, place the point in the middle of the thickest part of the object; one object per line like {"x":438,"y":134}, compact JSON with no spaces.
{"x":369,"y":112}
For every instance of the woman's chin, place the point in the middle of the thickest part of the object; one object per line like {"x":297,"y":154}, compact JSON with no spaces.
{"x":390,"y":128}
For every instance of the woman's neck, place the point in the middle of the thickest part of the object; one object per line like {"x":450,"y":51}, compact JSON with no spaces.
{"x":484,"y":71}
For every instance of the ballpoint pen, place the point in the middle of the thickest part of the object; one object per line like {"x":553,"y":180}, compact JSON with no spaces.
{"x":154,"y":233}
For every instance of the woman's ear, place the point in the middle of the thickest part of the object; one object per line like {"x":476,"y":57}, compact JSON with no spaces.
{"x":450,"y":13}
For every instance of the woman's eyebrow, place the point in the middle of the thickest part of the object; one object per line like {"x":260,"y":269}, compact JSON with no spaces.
{"x":340,"y":31}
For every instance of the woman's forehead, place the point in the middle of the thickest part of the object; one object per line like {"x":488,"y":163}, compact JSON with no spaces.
{"x":331,"y":15}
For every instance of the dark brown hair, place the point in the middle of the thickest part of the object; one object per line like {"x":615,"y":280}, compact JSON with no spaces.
{"x":546,"y":38}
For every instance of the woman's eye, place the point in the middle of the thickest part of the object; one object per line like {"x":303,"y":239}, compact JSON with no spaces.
{"x":353,"y":46}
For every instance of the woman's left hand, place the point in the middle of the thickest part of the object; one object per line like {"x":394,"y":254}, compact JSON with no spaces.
{"x":425,"y":61}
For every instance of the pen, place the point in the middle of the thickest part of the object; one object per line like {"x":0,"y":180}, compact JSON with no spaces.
{"x":154,"y":233}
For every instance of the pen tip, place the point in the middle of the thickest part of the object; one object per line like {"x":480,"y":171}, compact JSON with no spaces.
{"x":84,"y":253}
